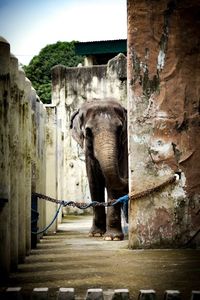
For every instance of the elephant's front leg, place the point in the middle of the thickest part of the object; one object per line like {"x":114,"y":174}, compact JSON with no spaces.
{"x":113,"y":224}
{"x":99,"y":222}
{"x":97,"y":187}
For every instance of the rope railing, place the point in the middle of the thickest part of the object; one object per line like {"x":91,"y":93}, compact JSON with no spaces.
{"x":121,"y":200}
{"x":81,"y":205}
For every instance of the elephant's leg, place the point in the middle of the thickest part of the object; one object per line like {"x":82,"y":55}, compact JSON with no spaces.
{"x":99,"y":222}
{"x":97,"y":186}
{"x":113,"y":222}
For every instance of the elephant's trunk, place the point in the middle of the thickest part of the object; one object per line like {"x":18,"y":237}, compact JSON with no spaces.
{"x":106,"y":152}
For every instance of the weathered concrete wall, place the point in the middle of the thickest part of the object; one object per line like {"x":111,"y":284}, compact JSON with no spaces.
{"x":4,"y":156}
{"x":14,"y":155}
{"x":54,"y":162}
{"x":16,"y":131}
{"x":23,"y":160}
{"x":40,"y":160}
{"x":163,"y":103}
{"x":70,"y":88}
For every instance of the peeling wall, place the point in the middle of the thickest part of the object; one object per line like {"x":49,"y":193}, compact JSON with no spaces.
{"x":163,"y":104}
{"x":70,"y":88}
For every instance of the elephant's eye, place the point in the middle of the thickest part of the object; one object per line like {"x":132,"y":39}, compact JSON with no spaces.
{"x":88,"y":132}
{"x":119,"y":129}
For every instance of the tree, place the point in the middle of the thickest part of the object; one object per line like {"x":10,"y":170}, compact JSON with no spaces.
{"x":39,"y":68}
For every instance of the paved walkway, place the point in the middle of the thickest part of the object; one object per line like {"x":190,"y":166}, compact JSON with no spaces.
{"x":71,"y":259}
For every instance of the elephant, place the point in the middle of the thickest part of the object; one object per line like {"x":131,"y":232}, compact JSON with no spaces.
{"x":100,"y":128}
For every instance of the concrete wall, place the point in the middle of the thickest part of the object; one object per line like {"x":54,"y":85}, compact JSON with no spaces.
{"x":163,"y":104}
{"x":24,"y":158}
{"x":70,"y":88}
{"x":54,"y":162}
{"x":37,"y":151}
{"x":4,"y":157}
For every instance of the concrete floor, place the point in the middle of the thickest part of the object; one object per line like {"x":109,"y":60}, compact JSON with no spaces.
{"x":70,"y":258}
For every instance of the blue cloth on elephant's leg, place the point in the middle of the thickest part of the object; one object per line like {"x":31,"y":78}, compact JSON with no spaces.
{"x":125,"y":210}
{"x":124,"y":201}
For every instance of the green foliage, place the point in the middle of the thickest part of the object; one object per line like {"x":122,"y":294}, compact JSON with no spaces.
{"x":39,"y":68}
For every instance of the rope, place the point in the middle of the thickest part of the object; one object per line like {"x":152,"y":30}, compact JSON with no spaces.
{"x":82,"y":205}
{"x":191,"y":239}
{"x":153,"y":189}
{"x":46,"y":228}
{"x":120,"y":200}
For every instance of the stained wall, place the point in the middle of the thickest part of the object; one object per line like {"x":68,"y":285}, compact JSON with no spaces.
{"x":163,"y":103}
{"x":25,"y":159}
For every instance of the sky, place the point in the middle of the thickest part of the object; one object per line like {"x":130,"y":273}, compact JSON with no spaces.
{"x":29,"y":25}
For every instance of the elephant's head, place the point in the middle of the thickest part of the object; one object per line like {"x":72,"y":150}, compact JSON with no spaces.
{"x":100,"y":127}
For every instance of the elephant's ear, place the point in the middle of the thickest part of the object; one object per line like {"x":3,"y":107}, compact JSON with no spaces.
{"x":76,"y":127}
{"x":122,"y":114}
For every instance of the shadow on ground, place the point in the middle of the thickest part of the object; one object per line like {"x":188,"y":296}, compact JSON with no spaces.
{"x":70,"y":258}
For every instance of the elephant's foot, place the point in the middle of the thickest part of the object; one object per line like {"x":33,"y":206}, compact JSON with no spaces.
{"x":113,"y":235}
{"x":96,"y":232}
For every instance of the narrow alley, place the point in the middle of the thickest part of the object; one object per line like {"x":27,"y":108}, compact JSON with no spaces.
{"x":71,"y":259}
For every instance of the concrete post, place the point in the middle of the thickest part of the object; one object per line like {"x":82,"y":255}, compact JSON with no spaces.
{"x":38,"y":164}
{"x":27,"y":133}
{"x":94,"y":294}
{"x":51,"y":164}
{"x":195,"y":295}
{"x":33,"y":152}
{"x":21,"y":180}
{"x":14,"y":161}
{"x":172,"y":295}
{"x":42,"y":135}
{"x":13,"y":293}
{"x":121,"y":294}
{"x":60,"y":164}
{"x":66,"y":294}
{"x":40,"y":294}
{"x":147,"y":295}
{"x":33,"y":140}
{"x":4,"y":158}
{"x":40,"y":182}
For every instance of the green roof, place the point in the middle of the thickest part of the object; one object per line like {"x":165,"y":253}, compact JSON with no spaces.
{"x":101,"y":47}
